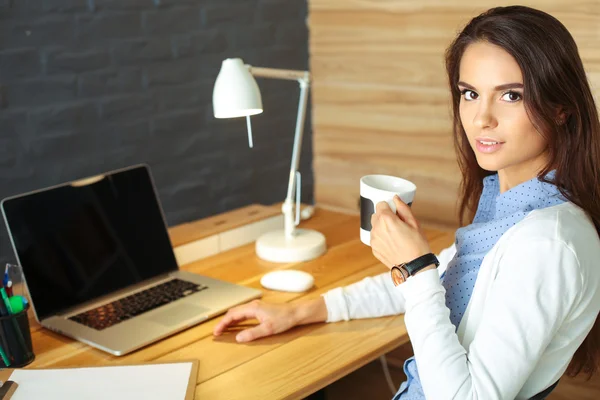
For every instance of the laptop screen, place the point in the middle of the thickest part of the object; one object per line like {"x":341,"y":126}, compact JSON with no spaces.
{"x":85,"y":239}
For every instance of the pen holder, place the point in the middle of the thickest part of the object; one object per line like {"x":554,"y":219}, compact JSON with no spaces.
{"x":15,"y":339}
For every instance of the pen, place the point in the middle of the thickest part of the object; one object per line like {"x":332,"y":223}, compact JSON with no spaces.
{"x":5,"y":278}
{"x":9,"y":289}
{"x":3,"y":309}
{"x":6,"y":336}
{"x":4,"y":313}
{"x":8,"y":389}
{"x":4,"y":358}
{"x":5,"y":301}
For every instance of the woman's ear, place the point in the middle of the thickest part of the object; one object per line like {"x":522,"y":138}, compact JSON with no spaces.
{"x":561,"y":116}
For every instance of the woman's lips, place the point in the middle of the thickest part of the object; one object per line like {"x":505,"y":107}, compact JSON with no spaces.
{"x":488,"y":146}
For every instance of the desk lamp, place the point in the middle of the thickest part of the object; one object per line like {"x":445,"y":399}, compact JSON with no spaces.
{"x":236,"y":94}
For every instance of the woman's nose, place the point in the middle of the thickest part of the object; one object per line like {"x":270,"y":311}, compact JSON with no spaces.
{"x":485,"y":117}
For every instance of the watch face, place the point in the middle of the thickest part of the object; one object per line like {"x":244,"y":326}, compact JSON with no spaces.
{"x":399,"y":274}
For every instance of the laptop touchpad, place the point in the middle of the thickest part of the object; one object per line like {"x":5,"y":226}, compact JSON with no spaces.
{"x":177,"y":314}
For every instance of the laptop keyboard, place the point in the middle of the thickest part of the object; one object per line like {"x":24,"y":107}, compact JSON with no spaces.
{"x":128,"y":307}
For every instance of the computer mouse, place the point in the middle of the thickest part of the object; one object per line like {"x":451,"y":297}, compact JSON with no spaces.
{"x":288,"y":280}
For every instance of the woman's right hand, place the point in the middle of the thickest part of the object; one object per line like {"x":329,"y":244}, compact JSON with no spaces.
{"x":272,"y":318}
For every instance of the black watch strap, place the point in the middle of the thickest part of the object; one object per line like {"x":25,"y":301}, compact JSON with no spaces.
{"x":421,"y":262}
{"x":400,"y":273}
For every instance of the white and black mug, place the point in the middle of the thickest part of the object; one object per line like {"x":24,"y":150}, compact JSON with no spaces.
{"x":377,"y":188}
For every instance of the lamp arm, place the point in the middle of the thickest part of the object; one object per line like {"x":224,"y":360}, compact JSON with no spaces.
{"x":276,"y":73}
{"x":288,"y":204}
{"x":303,"y":78}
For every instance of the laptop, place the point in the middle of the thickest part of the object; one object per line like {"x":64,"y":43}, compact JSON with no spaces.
{"x":99,"y":266}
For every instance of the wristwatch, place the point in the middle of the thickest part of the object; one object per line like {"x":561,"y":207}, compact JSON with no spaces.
{"x":400,"y":273}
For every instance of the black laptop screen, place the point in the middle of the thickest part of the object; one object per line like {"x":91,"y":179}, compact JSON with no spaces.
{"x":79,"y":241}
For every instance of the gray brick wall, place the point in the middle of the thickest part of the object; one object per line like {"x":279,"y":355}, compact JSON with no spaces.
{"x":88,"y":86}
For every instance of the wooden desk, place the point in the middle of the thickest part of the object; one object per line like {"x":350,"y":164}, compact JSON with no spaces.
{"x":291,"y":365}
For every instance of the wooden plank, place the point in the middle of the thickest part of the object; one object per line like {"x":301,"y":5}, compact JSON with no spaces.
{"x":436,"y":190}
{"x":192,"y":231}
{"x":319,"y":357}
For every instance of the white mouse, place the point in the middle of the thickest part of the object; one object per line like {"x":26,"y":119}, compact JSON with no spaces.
{"x":288,"y":280}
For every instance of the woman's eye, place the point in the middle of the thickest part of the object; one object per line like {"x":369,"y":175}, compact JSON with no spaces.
{"x":512,"y":97}
{"x":469,"y":94}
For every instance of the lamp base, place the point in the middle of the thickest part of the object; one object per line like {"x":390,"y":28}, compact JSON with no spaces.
{"x":306,"y":245}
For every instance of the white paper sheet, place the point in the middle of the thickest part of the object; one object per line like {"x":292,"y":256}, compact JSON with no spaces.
{"x":148,"y":382}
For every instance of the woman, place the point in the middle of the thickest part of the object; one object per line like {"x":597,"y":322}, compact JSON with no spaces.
{"x":519,"y":293}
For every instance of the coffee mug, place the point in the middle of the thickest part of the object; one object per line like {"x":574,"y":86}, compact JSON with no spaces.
{"x":377,"y":188}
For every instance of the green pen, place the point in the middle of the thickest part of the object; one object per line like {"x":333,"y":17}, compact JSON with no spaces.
{"x":5,"y":299}
{"x":4,"y":358}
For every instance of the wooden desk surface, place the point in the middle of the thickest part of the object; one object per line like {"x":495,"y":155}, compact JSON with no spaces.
{"x":290,"y":365}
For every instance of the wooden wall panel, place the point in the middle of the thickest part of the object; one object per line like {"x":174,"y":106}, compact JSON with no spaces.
{"x":380,"y":95}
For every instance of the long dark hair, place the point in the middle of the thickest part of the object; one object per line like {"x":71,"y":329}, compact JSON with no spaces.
{"x":560,"y":105}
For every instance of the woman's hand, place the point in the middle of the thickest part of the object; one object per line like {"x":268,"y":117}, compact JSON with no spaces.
{"x":396,"y":238}
{"x":272,"y":318}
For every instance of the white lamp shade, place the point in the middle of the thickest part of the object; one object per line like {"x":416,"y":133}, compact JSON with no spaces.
{"x":235,"y":93}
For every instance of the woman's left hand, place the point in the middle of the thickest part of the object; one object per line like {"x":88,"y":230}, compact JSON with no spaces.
{"x":396,"y":238}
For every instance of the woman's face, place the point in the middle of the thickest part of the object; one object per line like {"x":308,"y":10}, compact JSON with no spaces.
{"x":493,"y":114}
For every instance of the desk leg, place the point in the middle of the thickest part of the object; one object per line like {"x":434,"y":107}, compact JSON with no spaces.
{"x":318,"y":395}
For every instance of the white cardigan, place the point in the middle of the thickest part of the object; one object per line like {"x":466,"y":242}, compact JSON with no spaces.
{"x":535,"y":299}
